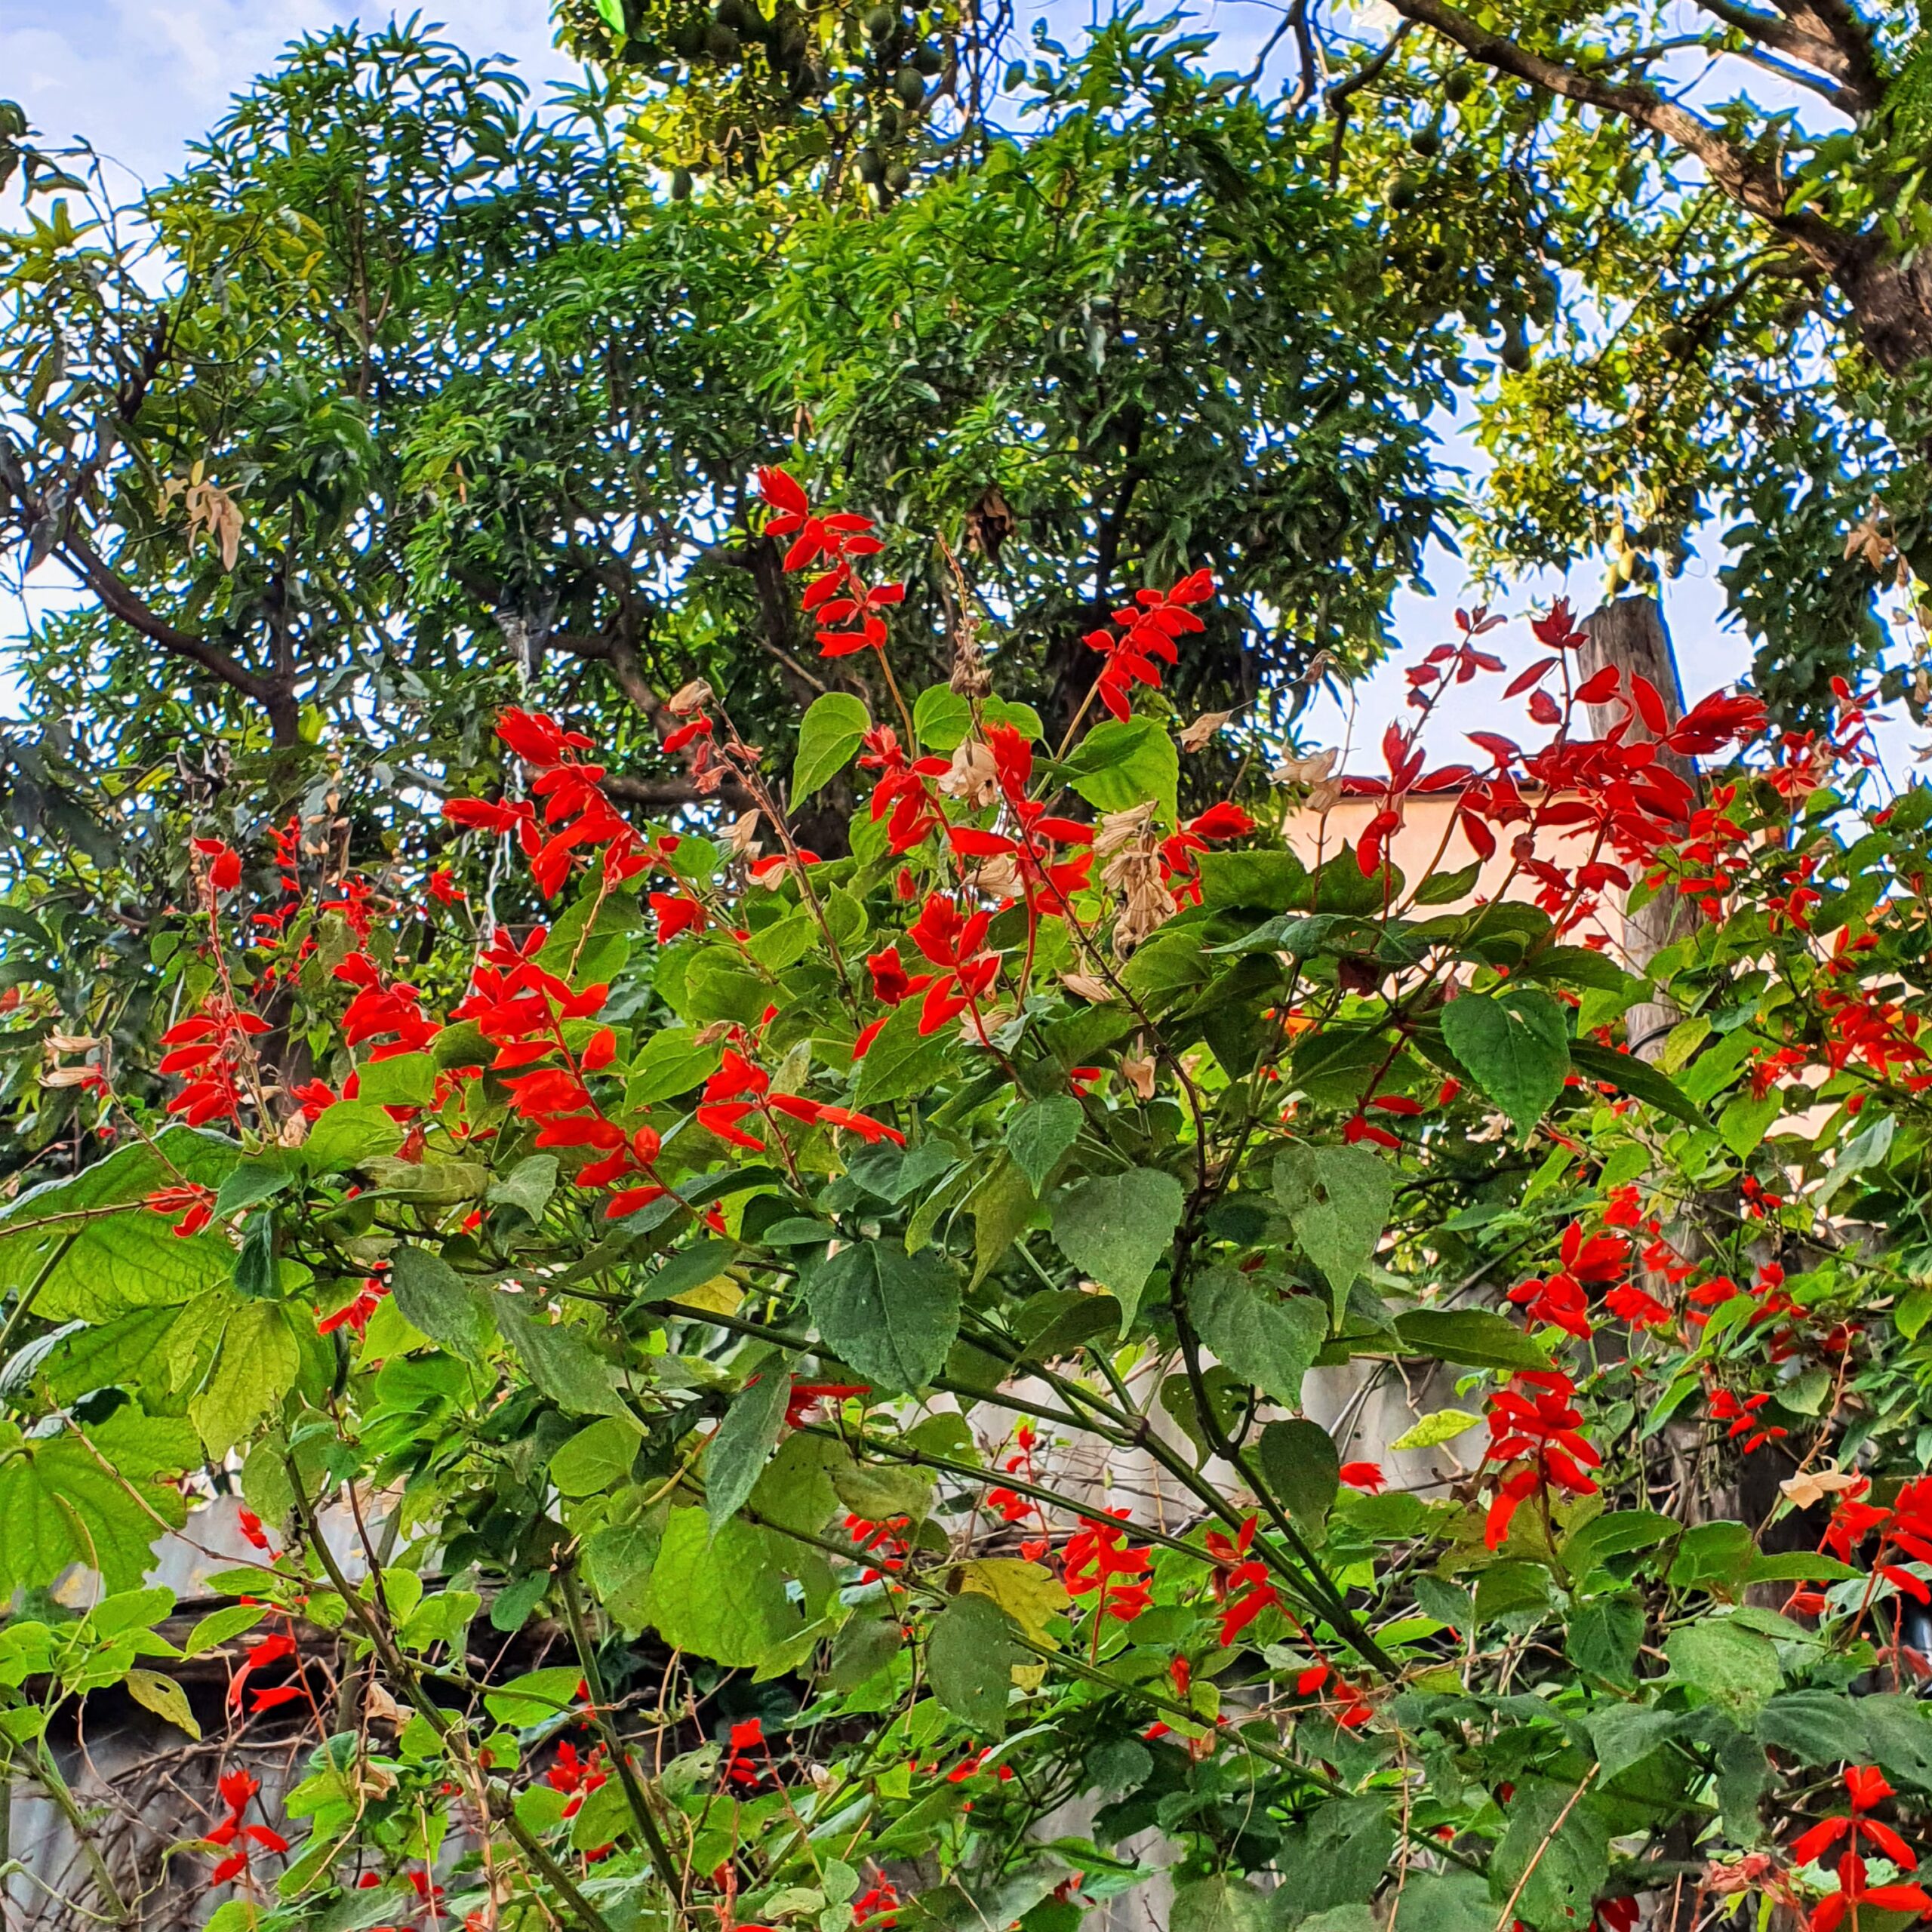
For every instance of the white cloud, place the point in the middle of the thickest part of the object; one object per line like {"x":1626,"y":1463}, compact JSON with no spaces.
{"x":141,"y":78}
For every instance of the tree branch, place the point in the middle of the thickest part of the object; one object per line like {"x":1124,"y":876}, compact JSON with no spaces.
{"x":1758,"y":187}
{"x":1842,"y":51}
{"x":120,"y":600}
{"x":659,"y":793}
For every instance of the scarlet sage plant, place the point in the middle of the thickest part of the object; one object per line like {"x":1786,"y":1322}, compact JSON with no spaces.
{"x":755,"y":1375}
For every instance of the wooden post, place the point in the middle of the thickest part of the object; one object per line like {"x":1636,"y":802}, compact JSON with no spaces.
{"x":1629,"y":633}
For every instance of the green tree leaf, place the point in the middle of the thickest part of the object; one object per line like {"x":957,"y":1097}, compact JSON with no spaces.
{"x":893,"y":1316}
{"x":744,"y":1441}
{"x":1122,"y":760}
{"x":431,"y":1296}
{"x":828,"y":736}
{"x":1118,"y":1228}
{"x":165,"y":1698}
{"x":901,"y":1061}
{"x":1226,"y":1903}
{"x":560,"y":1361}
{"x":1639,"y":1079}
{"x":1516,"y":1044}
{"x":1040,"y":1133}
{"x":1735,"y":1668}
{"x":720,"y":1597}
{"x":254,"y":1366}
{"x":97,"y":1502}
{"x":1302,"y":1467}
{"x":1337,"y":1199}
{"x":1561,"y":1866}
{"x":1270,"y":1343}
{"x":97,"y":1265}
{"x":971,"y":1652}
{"x":1472,"y":1336}
{"x":597,"y":1458}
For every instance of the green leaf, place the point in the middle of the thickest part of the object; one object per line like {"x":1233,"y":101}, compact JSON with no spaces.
{"x":893,"y":1316}
{"x":1552,"y":1862}
{"x":1639,"y":1078}
{"x":528,"y":1185}
{"x":1001,"y":1206}
{"x":64,"y":1502}
{"x":537,"y":1697}
{"x":1270,"y":1343}
{"x":254,"y":1367}
{"x":942,"y":717}
{"x":597,"y":1458}
{"x":218,"y":1625}
{"x":1040,"y":1133}
{"x":404,"y":1079}
{"x":1118,"y":1228}
{"x":1302,"y":1467}
{"x":720,"y":1597}
{"x":1516,"y":1044}
{"x":1735,"y":1668}
{"x":1337,"y":1199}
{"x":1444,"y":1902}
{"x":433,"y":1298}
{"x":1121,"y":761}
{"x":1261,"y":881}
{"x":1626,"y":1734}
{"x":1443,"y":888}
{"x":1337,"y":1858}
{"x":1472,"y":1336}
{"x":1442,"y":1426}
{"x":253,"y":1181}
{"x":1744,"y":1122}
{"x":744,"y":1442}
{"x":561,"y":1362}
{"x":971,"y":1652}
{"x":347,"y":1134}
{"x":1223,"y":1903}
{"x":165,"y":1698}
{"x":109,"y":1264}
{"x":670,"y":1061}
{"x":829,"y":736}
{"x":901,"y":1061}
{"x":1603,"y":1637}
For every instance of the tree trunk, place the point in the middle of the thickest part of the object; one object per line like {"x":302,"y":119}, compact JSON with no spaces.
{"x":1629,"y":633}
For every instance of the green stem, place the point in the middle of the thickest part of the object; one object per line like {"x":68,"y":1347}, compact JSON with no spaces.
{"x":47,"y":1774}
{"x":23,"y":1307}
{"x":496,"y":1803}
{"x":634,"y":1792}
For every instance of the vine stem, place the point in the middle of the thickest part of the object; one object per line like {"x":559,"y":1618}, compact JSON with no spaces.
{"x":634,"y":1792}
{"x":23,"y":1307}
{"x":494,"y":1803}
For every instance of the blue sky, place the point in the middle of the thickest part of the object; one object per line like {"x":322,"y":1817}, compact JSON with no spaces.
{"x":142,"y":77}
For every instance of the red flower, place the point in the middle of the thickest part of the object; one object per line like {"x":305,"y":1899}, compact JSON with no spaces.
{"x":1534,"y":1424}
{"x":952,"y":940}
{"x":1742,"y":1417}
{"x":237,"y":1789}
{"x":1866,"y":1787}
{"x":806,"y":1395}
{"x":738,"y":1769}
{"x":1364,"y":1475}
{"x":1096,"y":1555}
{"x":225,"y":863}
{"x":676,"y":913}
{"x":1148,"y":628}
{"x":839,"y":594}
{"x":210,"y":1046}
{"x":1241,"y":1586}
{"x":194,"y":1204}
{"x":354,"y":1313}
